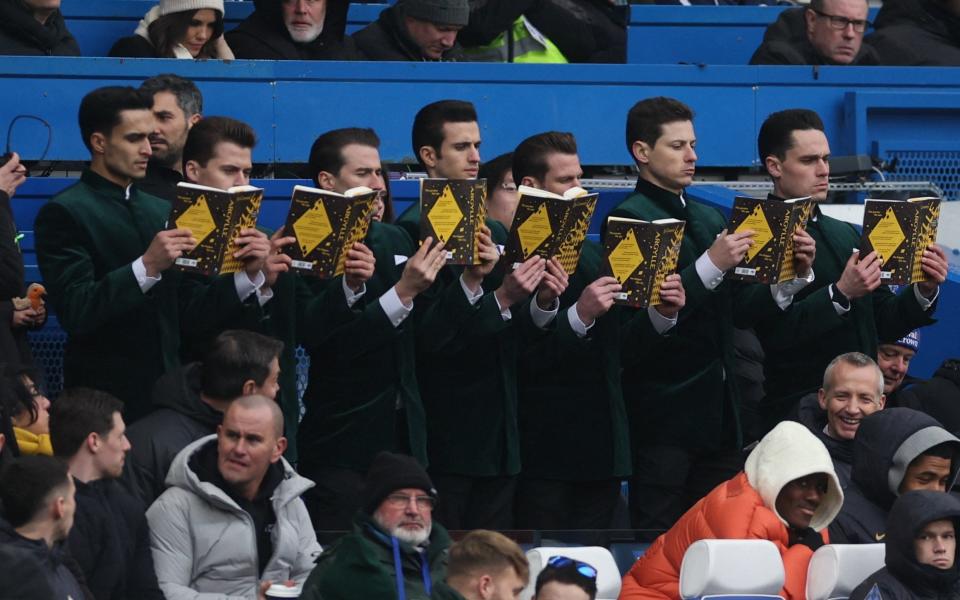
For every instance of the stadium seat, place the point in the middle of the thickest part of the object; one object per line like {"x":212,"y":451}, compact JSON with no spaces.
{"x":608,"y":575}
{"x":836,"y":569}
{"x":731,"y":569}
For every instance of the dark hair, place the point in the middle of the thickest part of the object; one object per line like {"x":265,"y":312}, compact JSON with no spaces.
{"x":26,"y":483}
{"x":387,"y":195}
{"x":646,"y":119}
{"x":210,"y":131}
{"x":776,"y":133}
{"x":10,"y":448}
{"x":566,"y":574}
{"x":76,"y":414}
{"x":234,"y":357}
{"x":946,"y":450}
{"x":326,"y":154}
{"x":100,"y":109}
{"x":171,"y":29}
{"x":530,"y":157}
{"x":428,"y":124}
{"x":20,"y":397}
{"x":188,"y":95}
{"x":494,"y":171}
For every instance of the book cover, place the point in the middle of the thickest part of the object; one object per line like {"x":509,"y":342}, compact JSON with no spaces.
{"x":899,"y":231}
{"x":550,"y":225}
{"x":770,"y":259}
{"x":326,"y":225}
{"x":453,"y":211}
{"x":640,"y":255}
{"x":215,"y":218}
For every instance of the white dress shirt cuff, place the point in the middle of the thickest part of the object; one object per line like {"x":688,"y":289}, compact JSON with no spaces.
{"x":661,"y":324}
{"x":143,"y":280}
{"x":542,"y":318}
{"x":925,"y":303}
{"x":395,"y":310}
{"x":783,"y":293}
{"x":836,"y":306}
{"x":709,"y":273}
{"x":245,"y":286}
{"x":352,"y":296}
{"x":576,"y":324}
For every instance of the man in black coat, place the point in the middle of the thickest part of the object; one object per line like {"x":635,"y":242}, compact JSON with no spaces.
{"x":415,"y":30}
{"x":917,"y":33}
{"x":294,"y":30}
{"x":189,"y":404}
{"x":827,"y":32}
{"x":110,"y":538}
{"x":34,"y":28}
{"x":921,"y":548}
{"x":939,"y":396}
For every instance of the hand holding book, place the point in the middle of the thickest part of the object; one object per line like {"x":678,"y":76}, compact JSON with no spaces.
{"x":597,"y":298}
{"x":166,"y":247}
{"x":860,"y":276}
{"x":554,"y":283}
{"x":521,"y":282}
{"x":278,"y":261}
{"x":935,"y":265}
{"x":728,"y":249}
{"x":672,"y":296}
{"x":359,"y":266}
{"x":804,"y":252}
{"x":420,"y":270}
{"x":487,"y":253}
{"x":253,"y":248}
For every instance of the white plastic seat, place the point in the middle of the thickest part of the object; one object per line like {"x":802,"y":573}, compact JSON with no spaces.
{"x":835,"y":570}
{"x":742,"y":568}
{"x":608,"y":575}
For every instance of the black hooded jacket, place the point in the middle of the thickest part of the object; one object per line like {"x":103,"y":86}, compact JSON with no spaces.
{"x":263,"y":36}
{"x":916,"y":33}
{"x":903,"y":578}
{"x":22,"y":35}
{"x":939,"y":396}
{"x":179,"y":418}
{"x":387,"y":39}
{"x":785,"y":43}
{"x":886,"y":442}
{"x":60,"y":572}
{"x":841,"y":451}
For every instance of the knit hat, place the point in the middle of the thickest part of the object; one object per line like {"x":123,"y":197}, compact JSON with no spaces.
{"x":911,"y":341}
{"x":391,"y":472}
{"x":174,"y":6}
{"x":438,"y":12}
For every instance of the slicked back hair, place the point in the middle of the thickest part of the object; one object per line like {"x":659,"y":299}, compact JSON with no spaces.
{"x":428,"y":124}
{"x":326,"y":154}
{"x":234,"y":357}
{"x":776,"y":133}
{"x":100,"y":109}
{"x":188,"y":95}
{"x":530,"y":157}
{"x":646,"y":119}
{"x":76,"y":414}
{"x":207,"y":133}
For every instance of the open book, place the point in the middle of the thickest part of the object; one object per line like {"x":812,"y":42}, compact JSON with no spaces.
{"x":900,"y":230}
{"x":453,"y":211}
{"x":326,"y":225}
{"x":550,"y":225}
{"x":773,"y":222}
{"x":640,"y":255}
{"x":215,"y":218}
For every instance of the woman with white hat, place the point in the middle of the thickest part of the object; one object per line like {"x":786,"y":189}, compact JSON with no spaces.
{"x":178,"y":29}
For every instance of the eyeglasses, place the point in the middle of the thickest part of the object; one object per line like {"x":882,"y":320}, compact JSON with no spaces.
{"x":841,"y":23}
{"x":562,"y":562}
{"x":403,"y":501}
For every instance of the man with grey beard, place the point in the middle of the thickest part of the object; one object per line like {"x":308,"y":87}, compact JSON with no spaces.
{"x":294,"y":30}
{"x":177,"y":106}
{"x":394,"y":539}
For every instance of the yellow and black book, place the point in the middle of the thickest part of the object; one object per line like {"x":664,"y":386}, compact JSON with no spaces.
{"x":640,"y":255}
{"x":453,"y":211}
{"x":550,"y":225}
{"x":215,"y":218}
{"x":326,"y":225}
{"x":900,"y":230}
{"x":770,"y":259}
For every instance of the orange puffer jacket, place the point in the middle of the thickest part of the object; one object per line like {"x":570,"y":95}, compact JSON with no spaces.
{"x":733,"y":510}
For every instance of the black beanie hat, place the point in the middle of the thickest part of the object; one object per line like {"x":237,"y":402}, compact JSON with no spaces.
{"x":390,"y":472}
{"x":438,"y":12}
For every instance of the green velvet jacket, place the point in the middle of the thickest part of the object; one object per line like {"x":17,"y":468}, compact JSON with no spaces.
{"x":119,"y":339}
{"x":573,"y":423}
{"x":800,"y":342}
{"x":361,"y":366}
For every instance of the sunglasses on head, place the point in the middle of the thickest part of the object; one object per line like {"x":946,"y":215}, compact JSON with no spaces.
{"x":562,"y":562}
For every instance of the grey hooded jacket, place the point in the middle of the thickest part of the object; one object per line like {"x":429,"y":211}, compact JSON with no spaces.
{"x":204,"y":545}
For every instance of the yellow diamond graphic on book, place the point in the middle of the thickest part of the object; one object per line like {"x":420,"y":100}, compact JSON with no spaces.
{"x":445,"y":215}
{"x":626,"y":257}
{"x":312,"y":228}
{"x":762,"y":234}
{"x":887,"y":236}
{"x":198,"y":219}
{"x":534,"y":230}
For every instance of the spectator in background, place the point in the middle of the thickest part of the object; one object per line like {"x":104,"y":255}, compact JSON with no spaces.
{"x":29,"y":412}
{"x":566,"y":579}
{"x":939,"y":396}
{"x":418,"y":30}
{"x":921,"y":550}
{"x":917,"y":33}
{"x":787,"y":493}
{"x":484,"y":565}
{"x":502,"y":195}
{"x":109,"y":538}
{"x":189,"y":403}
{"x":178,"y":29}
{"x":893,"y":358}
{"x":177,"y":106}
{"x":294,"y":30}
{"x":14,"y":320}
{"x":827,"y":32}
{"x":35,"y":28}
{"x":895,"y":450}
{"x":37,"y":495}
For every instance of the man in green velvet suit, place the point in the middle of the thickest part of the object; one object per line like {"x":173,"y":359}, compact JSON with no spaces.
{"x":680,"y":390}
{"x":846,"y":309}
{"x":574,"y":440}
{"x":467,"y":344}
{"x":105,"y":256}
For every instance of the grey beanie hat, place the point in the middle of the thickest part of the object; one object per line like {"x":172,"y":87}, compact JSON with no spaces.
{"x":439,"y":12}
{"x":174,"y":6}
